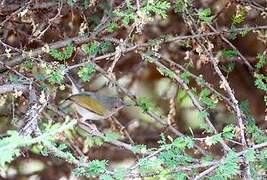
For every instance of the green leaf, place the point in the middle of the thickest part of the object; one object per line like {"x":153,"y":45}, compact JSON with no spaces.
{"x":229,"y":67}
{"x":261,"y":61}
{"x":7,"y":151}
{"x":111,"y":136}
{"x":228,"y":53}
{"x":10,"y":145}
{"x":166,"y":72}
{"x":216,"y":177}
{"x":112,"y":27}
{"x":185,"y":77}
{"x":239,"y":16}
{"x":27,"y":64}
{"x":180,"y":176}
{"x":183,"y":142}
{"x":105,"y":6}
{"x":157,"y":7}
{"x":230,"y":166}
{"x":228,"y":131}
{"x":119,"y":173}
{"x":62,"y":55}
{"x":145,"y":104}
{"x":71,"y":2}
{"x":244,"y":32}
{"x":58,"y":151}
{"x":180,"y":143}
{"x":106,"y":47}
{"x":91,"y":49}
{"x":250,"y":155}
{"x":232,"y":33}
{"x":138,"y":148}
{"x":204,"y":98}
{"x":263,"y":154}
{"x":205,"y":15}
{"x":96,"y":167}
{"x":244,"y":106}
{"x":56,"y":76}
{"x":180,"y":6}
{"x":126,"y":16}
{"x":85,"y":72}
{"x":148,"y":9}
{"x":106,"y":177}
{"x":257,"y":134}
{"x":211,"y":140}
{"x":90,"y":141}
{"x":40,"y":77}
{"x":189,"y":141}
{"x":68,"y":51}
{"x":200,"y":80}
{"x":8,"y":156}
{"x":56,"y":54}
{"x":98,"y":141}
{"x":203,"y":115}
{"x":162,"y":140}
{"x":149,"y":165}
{"x":86,"y":4}
{"x":261,"y":81}
{"x":174,"y":157}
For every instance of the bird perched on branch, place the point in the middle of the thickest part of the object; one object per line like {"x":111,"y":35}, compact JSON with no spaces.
{"x":93,"y":106}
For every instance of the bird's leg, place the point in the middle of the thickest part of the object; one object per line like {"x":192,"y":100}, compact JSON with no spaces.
{"x":77,"y":116}
{"x":90,"y":125}
{"x":112,"y":125}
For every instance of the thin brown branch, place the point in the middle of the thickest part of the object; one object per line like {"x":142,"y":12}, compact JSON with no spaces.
{"x":38,"y":5}
{"x":80,"y":40}
{"x":25,"y":6}
{"x":195,"y":102}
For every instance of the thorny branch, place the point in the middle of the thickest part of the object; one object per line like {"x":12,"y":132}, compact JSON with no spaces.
{"x":80,"y":40}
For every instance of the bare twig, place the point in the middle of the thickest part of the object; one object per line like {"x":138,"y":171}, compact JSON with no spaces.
{"x":195,"y":102}
{"x":224,"y":83}
{"x":38,"y":5}
{"x":12,"y":87}
{"x":50,"y":22}
{"x":26,"y":5}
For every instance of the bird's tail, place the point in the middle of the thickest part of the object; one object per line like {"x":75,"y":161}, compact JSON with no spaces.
{"x":74,"y":87}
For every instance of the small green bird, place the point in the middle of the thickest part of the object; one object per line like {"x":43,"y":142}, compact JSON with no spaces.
{"x":93,"y":106}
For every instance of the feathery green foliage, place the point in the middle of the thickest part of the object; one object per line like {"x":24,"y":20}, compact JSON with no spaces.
{"x":85,"y":72}
{"x":205,"y":15}
{"x":62,"y":55}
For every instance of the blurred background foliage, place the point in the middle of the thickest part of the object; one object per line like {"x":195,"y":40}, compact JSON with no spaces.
{"x":29,"y":25}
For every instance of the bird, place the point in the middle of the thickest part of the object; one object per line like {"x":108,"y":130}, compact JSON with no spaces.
{"x":93,"y":106}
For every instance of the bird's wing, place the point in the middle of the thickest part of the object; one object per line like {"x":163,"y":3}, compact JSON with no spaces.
{"x":88,"y":102}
